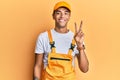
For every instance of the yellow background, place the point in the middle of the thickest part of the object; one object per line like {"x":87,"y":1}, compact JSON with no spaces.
{"x":21,"y":21}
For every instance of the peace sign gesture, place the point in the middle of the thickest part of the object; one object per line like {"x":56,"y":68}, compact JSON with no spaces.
{"x":79,"y":35}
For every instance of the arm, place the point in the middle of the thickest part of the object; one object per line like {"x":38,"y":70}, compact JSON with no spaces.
{"x":38,"y":66}
{"x":82,"y":60}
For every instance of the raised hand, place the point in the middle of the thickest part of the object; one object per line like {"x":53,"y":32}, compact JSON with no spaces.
{"x":79,"y":36}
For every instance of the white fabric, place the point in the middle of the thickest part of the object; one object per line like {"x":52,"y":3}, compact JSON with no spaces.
{"x":62,"y":44}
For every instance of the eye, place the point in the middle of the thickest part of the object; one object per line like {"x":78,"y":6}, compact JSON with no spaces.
{"x":57,"y":13}
{"x":66,"y":13}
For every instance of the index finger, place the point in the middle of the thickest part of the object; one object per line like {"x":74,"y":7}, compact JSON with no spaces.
{"x":75,"y":27}
{"x":81,"y":26}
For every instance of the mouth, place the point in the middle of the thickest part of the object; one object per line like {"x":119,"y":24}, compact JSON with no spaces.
{"x":61,"y":20}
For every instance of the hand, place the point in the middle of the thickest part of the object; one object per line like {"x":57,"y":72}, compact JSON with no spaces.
{"x":79,"y":36}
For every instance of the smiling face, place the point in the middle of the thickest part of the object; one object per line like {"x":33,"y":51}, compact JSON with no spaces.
{"x":61,"y":17}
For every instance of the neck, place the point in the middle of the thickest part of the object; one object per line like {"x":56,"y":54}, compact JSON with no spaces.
{"x":61,"y":30}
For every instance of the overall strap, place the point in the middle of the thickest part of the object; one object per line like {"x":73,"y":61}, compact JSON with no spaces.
{"x":52,"y":43}
{"x":71,"y":47}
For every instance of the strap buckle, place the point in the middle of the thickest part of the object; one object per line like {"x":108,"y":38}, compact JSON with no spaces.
{"x":72,"y":46}
{"x":52,"y":44}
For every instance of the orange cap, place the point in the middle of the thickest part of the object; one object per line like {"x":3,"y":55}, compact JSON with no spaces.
{"x":62,"y":4}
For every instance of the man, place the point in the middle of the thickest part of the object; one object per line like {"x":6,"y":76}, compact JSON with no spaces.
{"x":56,"y":48}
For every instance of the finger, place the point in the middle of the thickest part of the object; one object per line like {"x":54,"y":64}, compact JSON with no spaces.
{"x":80,"y":26}
{"x":81,"y":35}
{"x":75,"y":27}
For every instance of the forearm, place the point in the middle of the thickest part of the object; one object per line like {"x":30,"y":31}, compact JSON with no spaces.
{"x":37,"y":73}
{"x":38,"y":66}
{"x":82,"y":59}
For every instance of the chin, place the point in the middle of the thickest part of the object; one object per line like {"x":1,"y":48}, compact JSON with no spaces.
{"x":62,"y":25}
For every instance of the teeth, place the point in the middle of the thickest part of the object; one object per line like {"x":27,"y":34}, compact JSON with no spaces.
{"x":62,"y":20}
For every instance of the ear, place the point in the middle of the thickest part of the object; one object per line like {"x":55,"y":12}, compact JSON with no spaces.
{"x":53,"y":16}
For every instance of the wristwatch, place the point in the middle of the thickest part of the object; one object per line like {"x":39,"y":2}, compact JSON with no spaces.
{"x":81,"y":48}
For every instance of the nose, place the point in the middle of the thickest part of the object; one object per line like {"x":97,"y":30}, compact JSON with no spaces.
{"x":62,"y":15}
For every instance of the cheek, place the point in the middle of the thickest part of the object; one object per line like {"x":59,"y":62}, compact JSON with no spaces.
{"x":68,"y":18}
{"x":55,"y":17}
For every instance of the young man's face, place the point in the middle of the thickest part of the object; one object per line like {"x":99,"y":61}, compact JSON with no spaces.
{"x":61,"y":17}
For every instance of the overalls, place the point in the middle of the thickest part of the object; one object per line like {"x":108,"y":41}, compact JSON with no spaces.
{"x":59,"y":65}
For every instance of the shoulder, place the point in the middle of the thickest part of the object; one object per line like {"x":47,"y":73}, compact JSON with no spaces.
{"x":43,"y":37}
{"x":71,"y":33}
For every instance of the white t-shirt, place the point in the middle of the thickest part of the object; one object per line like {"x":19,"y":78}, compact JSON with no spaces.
{"x":62,"y":44}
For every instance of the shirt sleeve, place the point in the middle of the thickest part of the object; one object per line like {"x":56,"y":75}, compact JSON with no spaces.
{"x":39,"y":48}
